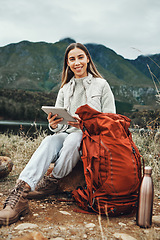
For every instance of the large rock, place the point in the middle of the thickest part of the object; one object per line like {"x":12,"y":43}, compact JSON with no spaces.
{"x":5,"y":166}
{"x":73,"y":180}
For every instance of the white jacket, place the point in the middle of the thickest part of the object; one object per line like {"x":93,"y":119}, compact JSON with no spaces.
{"x":98,"y":96}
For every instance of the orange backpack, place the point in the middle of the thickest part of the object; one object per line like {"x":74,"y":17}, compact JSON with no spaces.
{"x":111,"y":161}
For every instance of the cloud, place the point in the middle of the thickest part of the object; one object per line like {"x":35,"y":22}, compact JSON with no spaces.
{"x":118,"y":24}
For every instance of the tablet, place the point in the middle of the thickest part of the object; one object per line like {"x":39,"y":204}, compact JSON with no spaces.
{"x":62,"y":113}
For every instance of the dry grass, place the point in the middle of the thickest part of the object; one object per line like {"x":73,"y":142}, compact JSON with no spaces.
{"x":21,"y":147}
{"x":148,"y":144}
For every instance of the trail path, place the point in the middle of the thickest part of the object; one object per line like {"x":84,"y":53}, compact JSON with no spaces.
{"x":56,"y":219}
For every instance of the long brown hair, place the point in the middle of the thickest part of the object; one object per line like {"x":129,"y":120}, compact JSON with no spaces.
{"x":67,"y":74}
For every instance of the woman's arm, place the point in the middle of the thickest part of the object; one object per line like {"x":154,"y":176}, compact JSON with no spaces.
{"x":60,"y":99}
{"x":107,"y":100}
{"x":54,"y":125}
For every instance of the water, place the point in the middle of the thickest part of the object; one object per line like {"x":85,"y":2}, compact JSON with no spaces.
{"x":19,"y":126}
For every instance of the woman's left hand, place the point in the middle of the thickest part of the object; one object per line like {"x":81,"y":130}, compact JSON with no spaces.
{"x":75,"y":124}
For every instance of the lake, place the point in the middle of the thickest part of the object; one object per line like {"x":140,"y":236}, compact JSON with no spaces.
{"x":31,"y":127}
{"x":19,"y":126}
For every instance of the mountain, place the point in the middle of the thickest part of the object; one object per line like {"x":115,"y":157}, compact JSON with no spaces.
{"x":128,"y":82}
{"x":31,"y":66}
{"x":145,"y":64}
{"x":38,"y":66}
{"x":125,"y":73}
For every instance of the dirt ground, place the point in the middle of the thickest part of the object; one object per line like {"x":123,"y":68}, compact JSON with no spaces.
{"x":56,"y":218}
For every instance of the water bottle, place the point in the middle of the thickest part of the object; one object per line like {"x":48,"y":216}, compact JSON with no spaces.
{"x":144,"y":216}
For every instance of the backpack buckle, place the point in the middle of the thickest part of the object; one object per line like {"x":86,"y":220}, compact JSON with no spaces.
{"x":84,"y":128}
{"x":133,"y":150}
{"x":90,"y":207}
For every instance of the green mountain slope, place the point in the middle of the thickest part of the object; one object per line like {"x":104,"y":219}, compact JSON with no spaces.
{"x":152,"y":61}
{"x":38,"y":66}
{"x":125,"y":72}
{"x":31,"y":66}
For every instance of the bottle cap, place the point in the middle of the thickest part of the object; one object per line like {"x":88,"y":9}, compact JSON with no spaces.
{"x":148,"y":170}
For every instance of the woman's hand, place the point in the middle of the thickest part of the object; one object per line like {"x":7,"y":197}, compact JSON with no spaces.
{"x":75,"y":124}
{"x":53,"y":122}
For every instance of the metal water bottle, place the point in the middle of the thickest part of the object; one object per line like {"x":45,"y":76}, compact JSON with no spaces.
{"x":144,"y":216}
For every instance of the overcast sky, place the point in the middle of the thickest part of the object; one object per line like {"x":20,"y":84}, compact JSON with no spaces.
{"x":129,"y":27}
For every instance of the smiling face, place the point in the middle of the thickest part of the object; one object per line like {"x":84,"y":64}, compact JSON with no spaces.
{"x":77,"y":61}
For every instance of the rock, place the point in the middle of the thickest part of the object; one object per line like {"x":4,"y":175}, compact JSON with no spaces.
{"x":146,"y":231}
{"x":23,"y":226}
{"x":57,"y":238}
{"x":123,"y":236}
{"x":156,"y":220}
{"x":90,"y":225}
{"x":35,"y":214}
{"x":32,"y":236}
{"x":85,"y":236}
{"x":6,"y":166}
{"x":122,"y":224}
{"x":73,"y":180}
{"x":65,"y":212}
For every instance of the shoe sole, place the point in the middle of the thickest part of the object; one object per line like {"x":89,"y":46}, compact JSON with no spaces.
{"x":39,"y":195}
{"x":6,"y":222}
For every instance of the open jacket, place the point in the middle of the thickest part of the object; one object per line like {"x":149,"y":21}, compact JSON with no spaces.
{"x":98,"y":96}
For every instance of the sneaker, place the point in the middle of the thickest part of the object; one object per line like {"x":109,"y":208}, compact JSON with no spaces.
{"x":48,"y":185}
{"x":16,"y":205}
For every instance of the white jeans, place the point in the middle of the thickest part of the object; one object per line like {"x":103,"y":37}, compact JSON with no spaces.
{"x":62,"y":149}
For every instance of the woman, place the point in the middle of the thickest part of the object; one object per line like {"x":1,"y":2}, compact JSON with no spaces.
{"x":81,"y":84}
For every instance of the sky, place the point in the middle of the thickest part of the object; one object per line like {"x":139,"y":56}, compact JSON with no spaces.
{"x":128,"y":27}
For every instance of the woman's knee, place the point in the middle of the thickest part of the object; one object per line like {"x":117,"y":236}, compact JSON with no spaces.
{"x":47,"y":139}
{"x":54,"y":137}
{"x":73,"y":140}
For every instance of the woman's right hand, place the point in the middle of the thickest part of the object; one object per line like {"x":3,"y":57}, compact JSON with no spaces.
{"x":53,"y":122}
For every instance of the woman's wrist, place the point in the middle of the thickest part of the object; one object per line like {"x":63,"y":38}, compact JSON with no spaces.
{"x":51,"y":129}
{"x":53,"y":126}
